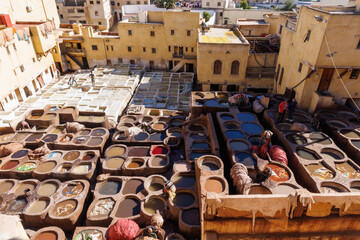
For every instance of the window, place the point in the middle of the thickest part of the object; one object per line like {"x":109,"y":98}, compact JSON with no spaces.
{"x":34,"y":59}
{"x":14,"y":46}
{"x":169,"y":48}
{"x":71,"y":10}
{"x":99,"y":23}
{"x":57,"y":7}
{"x":72,"y":21}
{"x":281,"y":76}
{"x":91,"y":2}
{"x":300,"y":67}
{"x":15,"y":73}
{"x":208,"y":4}
{"x":94,"y":47}
{"x":112,"y":48}
{"x":221,"y":14}
{"x":307,"y":38}
{"x":129,"y":32}
{"x":96,"y":13}
{"x":217,"y":67}
{"x":107,"y":48}
{"x":152,"y":33}
{"x":82,"y":21}
{"x":22,"y":68}
{"x":97,"y":2}
{"x":192,"y":49}
{"x":188,"y":32}
{"x":7,"y":50}
{"x":108,"y":62}
{"x":354,"y":74}
{"x":214,"y":87}
{"x":186,"y":49}
{"x":118,"y":4}
{"x":144,"y":49}
{"x":153,"y":50}
{"x":277,"y":72}
{"x":172,"y":32}
{"x":132,"y":61}
{"x":235,"y":67}
{"x":112,"y":3}
{"x":61,"y":16}
{"x":128,"y":2}
{"x":219,"y":4}
{"x":129,"y":49}
{"x":138,"y":2}
{"x":280,"y":29}
{"x":80,"y":10}
{"x":358,"y":45}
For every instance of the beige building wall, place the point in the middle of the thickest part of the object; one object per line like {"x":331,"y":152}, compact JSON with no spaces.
{"x":25,"y":10}
{"x":99,"y":12}
{"x":208,"y":53}
{"x":231,"y":15}
{"x":307,"y":45}
{"x":214,"y":4}
{"x":253,"y":29}
{"x":273,"y":20}
{"x":71,"y":14}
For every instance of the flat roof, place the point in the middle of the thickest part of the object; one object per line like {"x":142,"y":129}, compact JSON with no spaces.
{"x":339,"y":10}
{"x":251,"y":22}
{"x":219,"y":35}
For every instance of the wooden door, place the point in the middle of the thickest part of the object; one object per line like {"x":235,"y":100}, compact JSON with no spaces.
{"x":326,"y":79}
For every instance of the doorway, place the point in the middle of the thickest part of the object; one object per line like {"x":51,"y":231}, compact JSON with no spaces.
{"x":325,"y":79}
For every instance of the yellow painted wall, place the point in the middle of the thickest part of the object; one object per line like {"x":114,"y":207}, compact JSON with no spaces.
{"x":254,"y":30}
{"x":273,"y":20}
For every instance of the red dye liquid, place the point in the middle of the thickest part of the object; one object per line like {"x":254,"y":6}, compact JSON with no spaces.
{"x":159,"y":150}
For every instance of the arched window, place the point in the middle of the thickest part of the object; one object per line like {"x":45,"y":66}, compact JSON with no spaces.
{"x":217,"y":67}
{"x":235,"y":67}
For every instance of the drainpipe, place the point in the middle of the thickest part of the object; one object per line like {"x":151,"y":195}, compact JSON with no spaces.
{"x":42,"y":2}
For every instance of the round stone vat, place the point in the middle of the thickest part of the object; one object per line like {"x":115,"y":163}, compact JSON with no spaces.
{"x":189,"y":221}
{"x":116,"y":150}
{"x":155,"y":184}
{"x":349,"y":133}
{"x":234,"y":134}
{"x":120,"y":135}
{"x":226,"y":117}
{"x":296,"y":138}
{"x":101,"y":208}
{"x":320,"y":170}
{"x":246,"y":159}
{"x":8,"y":165}
{"x":257,"y":189}
{"x":133,"y":186}
{"x":54,"y":155}
{"x":176,"y":122}
{"x":153,"y":204}
{"x":210,"y":163}
{"x":333,"y":187}
{"x":46,"y":167}
{"x":98,"y":132}
{"x":283,"y":126}
{"x":47,"y":188}
{"x":158,"y":150}
{"x":239,"y":145}
{"x":176,"y":132}
{"x":184,"y":180}
{"x":195,"y":127}
{"x":25,"y":186}
{"x":158,"y":161}
{"x":320,"y":138}
{"x":348,"y":169}
{"x":50,"y":137}
{"x":174,"y":236}
{"x":337,"y":124}
{"x":110,"y":187}
{"x":64,"y":168}
{"x":172,"y":142}
{"x":81,"y":169}
{"x":251,"y":128}
{"x":356,"y":143}
{"x":344,"y":114}
{"x":95,"y":141}
{"x":299,"y":117}
{"x":246,"y":117}
{"x":64,"y":208}
{"x":307,"y":154}
{"x":15,"y":206}
{"x":183,"y":199}
{"x":331,"y":154}
{"x":124,"y":126}
{"x":215,"y":185}
{"x":38,"y":206}
{"x":134,"y":163}
{"x":6,"y":185}
{"x":279,"y":173}
{"x":254,"y":140}
{"x":285,"y":188}
{"x":231,"y":125}
{"x":141,"y":136}
{"x":147,"y":119}
{"x":72,"y":189}
{"x":20,"y":154}
{"x":114,"y":162}
{"x":66,"y":139}
{"x":88,"y":156}
{"x":200,"y":145}
{"x":71,"y":156}
{"x":355,"y":186}
{"x":211,"y":103}
{"x":81,"y":139}
{"x":129,"y":207}
{"x":199,"y":136}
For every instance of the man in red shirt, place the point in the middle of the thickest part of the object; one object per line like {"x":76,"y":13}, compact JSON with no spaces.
{"x":283,"y":107}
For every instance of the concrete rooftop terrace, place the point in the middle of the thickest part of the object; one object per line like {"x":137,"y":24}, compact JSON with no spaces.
{"x":220,"y":36}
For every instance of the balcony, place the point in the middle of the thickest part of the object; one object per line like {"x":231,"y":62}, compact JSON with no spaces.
{"x":177,"y":55}
{"x":76,"y":52}
{"x":43,"y":37}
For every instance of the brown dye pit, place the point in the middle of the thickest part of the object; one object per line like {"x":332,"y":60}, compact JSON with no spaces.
{"x":153,"y":204}
{"x":115,"y":151}
{"x":297,"y":139}
{"x":19,"y":137}
{"x":332,"y":154}
{"x":139,"y":152}
{"x":85,"y":132}
{"x":110,"y":188}
{"x":82,"y":169}
{"x":22,"y":188}
{"x":95,"y":141}
{"x":56,"y":130}
{"x":83,"y":118}
{"x":133,"y":186}
{"x":356,"y":143}
{"x":102,"y":207}
{"x":64,"y":208}
{"x":232,"y":125}
{"x":320,"y":171}
{"x":115,"y":162}
{"x":209,"y":166}
{"x":47,"y":189}
{"x":127,"y":208}
{"x":34,"y":117}
{"x":65,"y":139}
{"x":6,"y":186}
{"x":38,"y":206}
{"x":20,"y":154}
{"x":158,"y":126}
{"x":47,"y":236}
{"x":48,"y":116}
{"x":98,"y":132}
{"x":50,"y":138}
{"x":191,"y":216}
{"x":214,"y":185}
{"x":279,"y":174}
{"x":319,"y":138}
{"x":88,"y":156}
{"x":259,"y":190}
{"x":347,"y":170}
{"x":16,"y":205}
{"x":72,"y":189}
{"x":158,"y":161}
{"x":33,"y":137}
{"x":331,"y":189}
{"x":46,"y":166}
{"x":196,"y":128}
{"x":184,"y":199}
{"x":154,"y":186}
{"x":64,"y":168}
{"x":71,"y":156}
{"x":10,"y":165}
{"x":135,"y":163}
{"x":284,"y":189}
{"x":98,"y":119}
{"x":350,"y":134}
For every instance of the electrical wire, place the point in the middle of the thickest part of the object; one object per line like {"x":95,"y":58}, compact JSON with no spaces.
{"x":342,"y":82}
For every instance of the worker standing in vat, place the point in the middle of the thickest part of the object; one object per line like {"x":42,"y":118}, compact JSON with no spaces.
{"x":266,"y":137}
{"x":283,"y":107}
{"x":315,"y":122}
{"x":292,"y":107}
